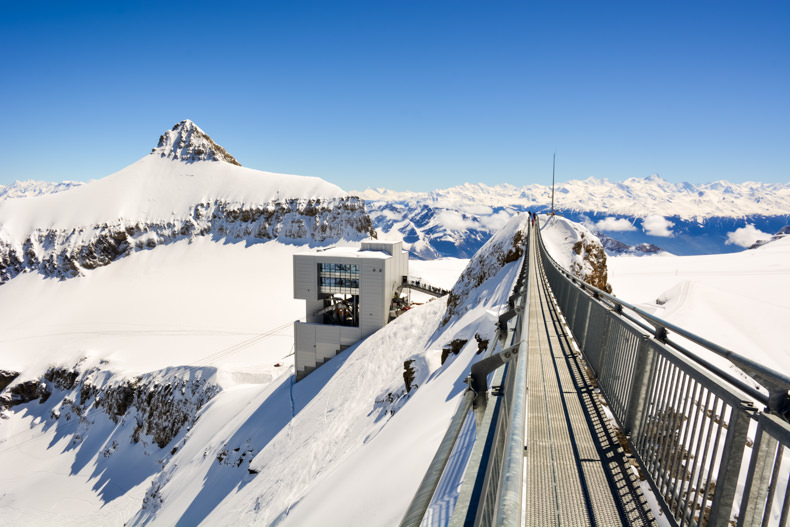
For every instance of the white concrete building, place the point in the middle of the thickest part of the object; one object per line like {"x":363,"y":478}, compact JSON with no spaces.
{"x":348,"y":293}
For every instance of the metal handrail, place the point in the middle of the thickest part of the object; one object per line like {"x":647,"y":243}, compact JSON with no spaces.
{"x":506,"y":506}
{"x":688,"y":422}
{"x":509,"y":495}
{"x":777,"y":384}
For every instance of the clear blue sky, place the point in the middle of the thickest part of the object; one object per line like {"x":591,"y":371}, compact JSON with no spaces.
{"x":403,"y":94}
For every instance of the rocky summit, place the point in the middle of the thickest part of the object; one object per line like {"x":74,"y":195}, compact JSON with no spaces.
{"x":187,"y":142}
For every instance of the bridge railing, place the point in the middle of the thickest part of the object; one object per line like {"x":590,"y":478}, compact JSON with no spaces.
{"x":710,"y":454}
{"x":490,"y":493}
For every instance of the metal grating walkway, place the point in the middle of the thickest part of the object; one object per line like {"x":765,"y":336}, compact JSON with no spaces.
{"x":575,"y":469}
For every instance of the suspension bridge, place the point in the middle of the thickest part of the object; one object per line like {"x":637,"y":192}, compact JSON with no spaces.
{"x":586,"y":410}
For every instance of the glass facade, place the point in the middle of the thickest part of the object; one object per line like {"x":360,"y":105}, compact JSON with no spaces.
{"x":338,"y":278}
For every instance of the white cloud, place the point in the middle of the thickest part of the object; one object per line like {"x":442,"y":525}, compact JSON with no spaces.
{"x":614,"y":224}
{"x":655,"y":225}
{"x":494,"y":222}
{"x":455,"y":221}
{"x":746,"y":236}
{"x":587,"y":223}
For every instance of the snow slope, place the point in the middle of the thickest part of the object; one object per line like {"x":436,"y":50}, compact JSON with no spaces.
{"x":264,"y":450}
{"x":155,"y":189}
{"x":740,"y":301}
{"x":116,"y":363}
{"x":176,"y":304}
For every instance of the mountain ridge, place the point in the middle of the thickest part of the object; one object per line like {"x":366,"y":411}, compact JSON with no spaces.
{"x":637,"y":197}
{"x":651,"y":212}
{"x":181,"y":190}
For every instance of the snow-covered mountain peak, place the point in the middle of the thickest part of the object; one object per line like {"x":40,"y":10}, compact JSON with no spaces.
{"x":187,"y":142}
{"x":577,"y":249}
{"x":173,"y":194}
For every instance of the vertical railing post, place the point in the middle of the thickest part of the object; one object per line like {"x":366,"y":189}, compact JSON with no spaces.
{"x":585,"y":322}
{"x":730,"y":468}
{"x":636,"y":410}
{"x":603,"y":345}
{"x":758,"y":482}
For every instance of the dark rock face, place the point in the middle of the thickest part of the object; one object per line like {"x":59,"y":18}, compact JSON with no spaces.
{"x":453,"y":347}
{"x":158,"y":407}
{"x":6,"y":378}
{"x":187,"y":142}
{"x":63,"y":253}
{"x":482,"y":344}
{"x":593,"y":254}
{"x":408,"y":374}
{"x":24,"y":392}
{"x":495,"y":254}
{"x":617,"y":248}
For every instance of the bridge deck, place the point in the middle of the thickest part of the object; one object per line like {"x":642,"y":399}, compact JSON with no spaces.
{"x":575,"y":469}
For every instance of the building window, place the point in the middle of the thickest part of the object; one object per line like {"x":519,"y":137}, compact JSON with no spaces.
{"x":338,"y":278}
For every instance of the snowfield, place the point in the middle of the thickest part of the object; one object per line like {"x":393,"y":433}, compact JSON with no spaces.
{"x":740,"y":301}
{"x":346,"y":446}
{"x":195,"y":302}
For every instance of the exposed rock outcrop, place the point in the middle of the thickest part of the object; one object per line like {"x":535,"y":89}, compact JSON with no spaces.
{"x":6,"y":377}
{"x":187,"y":142}
{"x":24,"y":392}
{"x":617,"y":248}
{"x":453,"y":347}
{"x":504,"y":247}
{"x":781,"y":233}
{"x":408,"y":374}
{"x":65,"y":253}
{"x":591,"y":266}
{"x":158,"y":405}
{"x":574,"y":247}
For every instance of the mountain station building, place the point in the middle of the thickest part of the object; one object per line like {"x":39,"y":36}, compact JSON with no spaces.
{"x":348,"y":293}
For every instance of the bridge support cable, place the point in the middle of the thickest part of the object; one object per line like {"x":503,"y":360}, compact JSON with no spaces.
{"x":696,"y":431}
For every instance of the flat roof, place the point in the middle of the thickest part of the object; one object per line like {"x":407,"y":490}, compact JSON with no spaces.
{"x":346,"y":252}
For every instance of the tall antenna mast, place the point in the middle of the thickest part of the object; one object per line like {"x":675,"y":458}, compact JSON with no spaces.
{"x":553,"y":165}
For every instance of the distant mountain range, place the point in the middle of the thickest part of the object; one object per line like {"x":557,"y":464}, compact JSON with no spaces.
{"x":30,"y":189}
{"x":636,"y":216}
{"x":643,"y":214}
